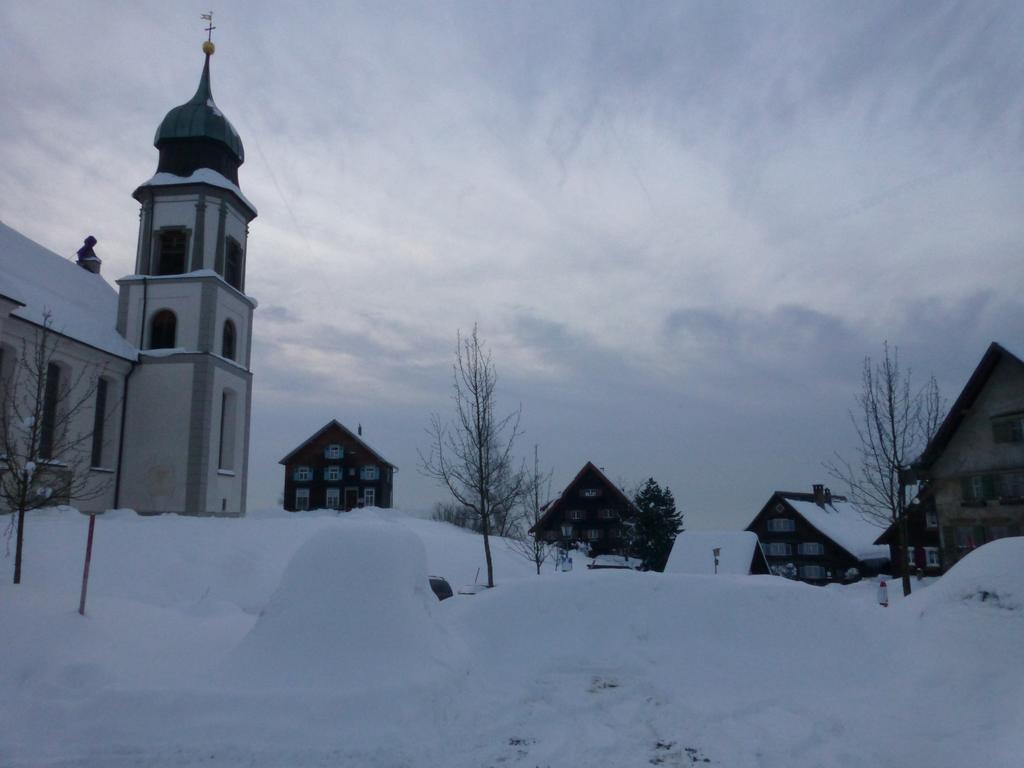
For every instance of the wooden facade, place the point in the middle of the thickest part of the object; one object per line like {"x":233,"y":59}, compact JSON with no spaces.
{"x":335,"y":469}
{"x":974,"y":465}
{"x":591,"y":511}
{"x":817,"y":537}
{"x":924,"y":550}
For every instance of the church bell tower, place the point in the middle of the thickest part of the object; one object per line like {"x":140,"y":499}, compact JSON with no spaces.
{"x":188,"y":400}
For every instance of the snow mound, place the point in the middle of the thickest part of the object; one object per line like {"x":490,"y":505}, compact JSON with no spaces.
{"x":353,"y":610}
{"x":992,"y":574}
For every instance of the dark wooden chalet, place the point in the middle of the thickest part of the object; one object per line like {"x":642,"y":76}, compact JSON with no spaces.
{"x":335,"y":469}
{"x":590,"y":511}
{"x":817,"y":537}
{"x":924,"y":550}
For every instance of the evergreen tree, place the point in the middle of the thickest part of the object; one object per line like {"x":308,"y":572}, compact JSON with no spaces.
{"x":655,"y":526}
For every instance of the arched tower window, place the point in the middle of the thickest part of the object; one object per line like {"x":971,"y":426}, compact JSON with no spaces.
{"x":233,"y":265}
{"x":163,"y":330}
{"x":173,"y":248}
{"x":227,"y":343}
{"x":226,"y":453}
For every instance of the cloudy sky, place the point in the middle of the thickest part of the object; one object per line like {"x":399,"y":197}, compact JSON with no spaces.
{"x":680,"y":226}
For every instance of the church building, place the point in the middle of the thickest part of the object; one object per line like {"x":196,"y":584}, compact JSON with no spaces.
{"x":166,"y":358}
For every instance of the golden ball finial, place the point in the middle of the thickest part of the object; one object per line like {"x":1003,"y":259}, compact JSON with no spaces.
{"x":208,"y":48}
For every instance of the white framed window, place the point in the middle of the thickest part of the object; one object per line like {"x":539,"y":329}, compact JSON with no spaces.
{"x":815,"y":572}
{"x":333,"y":451}
{"x":931,"y":519}
{"x":302,"y":498}
{"x":810,"y":548}
{"x":781,"y":524}
{"x":333,"y":498}
{"x":567,"y":530}
{"x":608,"y":514}
{"x":577,"y":514}
{"x":590,"y":493}
{"x":593,"y":534}
{"x":778,"y":549}
{"x":351,"y":471}
{"x":1011,"y":485}
{"x":303,"y":474}
{"x":332,"y":472}
{"x":369,"y":473}
{"x":931,"y":557}
{"x":369,"y":496}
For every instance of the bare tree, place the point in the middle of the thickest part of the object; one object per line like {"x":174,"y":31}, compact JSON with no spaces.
{"x":536,"y":490}
{"x":472,"y":454}
{"x":44,"y":433}
{"x":894,"y":423}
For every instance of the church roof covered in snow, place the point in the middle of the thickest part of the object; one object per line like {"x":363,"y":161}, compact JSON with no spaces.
{"x":82,"y":305}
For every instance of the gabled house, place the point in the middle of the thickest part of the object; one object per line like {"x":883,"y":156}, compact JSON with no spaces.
{"x":817,"y":537}
{"x":591,"y":510}
{"x":739,"y":554}
{"x":335,"y":469}
{"x":975,"y":463}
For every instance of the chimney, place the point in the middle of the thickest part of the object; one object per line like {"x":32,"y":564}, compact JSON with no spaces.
{"x":828,"y":496}
{"x":819,"y":494}
{"x":359,"y":429}
{"x":87,"y":258}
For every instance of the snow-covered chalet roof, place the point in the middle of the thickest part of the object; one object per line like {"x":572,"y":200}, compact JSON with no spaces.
{"x":693,"y":552}
{"x":844,"y":523}
{"x":82,"y":305}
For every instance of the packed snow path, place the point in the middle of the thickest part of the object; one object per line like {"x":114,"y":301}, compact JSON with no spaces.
{"x":315,"y":641}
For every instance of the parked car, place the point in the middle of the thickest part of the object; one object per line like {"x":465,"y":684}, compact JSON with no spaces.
{"x":441,"y":587}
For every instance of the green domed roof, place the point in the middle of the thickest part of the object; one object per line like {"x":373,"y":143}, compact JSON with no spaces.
{"x":199,"y":118}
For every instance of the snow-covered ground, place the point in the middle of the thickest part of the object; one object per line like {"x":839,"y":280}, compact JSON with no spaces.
{"x":314,"y":640}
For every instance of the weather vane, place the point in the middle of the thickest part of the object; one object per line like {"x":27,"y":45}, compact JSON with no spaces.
{"x":208,"y":45}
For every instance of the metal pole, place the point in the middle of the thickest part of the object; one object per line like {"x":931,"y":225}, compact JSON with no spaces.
{"x":88,"y":559}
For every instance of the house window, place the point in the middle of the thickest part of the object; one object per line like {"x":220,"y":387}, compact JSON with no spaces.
{"x":332,"y":472}
{"x":228,"y":407}
{"x":975,"y":488}
{"x":1011,"y":485}
{"x":965,"y":538}
{"x":51,"y":399}
{"x":233,"y":265}
{"x":608,"y":514}
{"x":163,"y":330}
{"x":998,"y":532}
{"x":813,"y":572}
{"x":99,"y":421}
{"x":369,"y":473}
{"x":302,"y":498}
{"x":551,"y":535}
{"x":333,"y":498}
{"x":931,"y":519}
{"x":369,"y":496}
{"x":779,"y":549}
{"x":227,"y":341}
{"x":593,"y":534}
{"x":303,"y":474}
{"x":1008,"y":429}
{"x":332,"y":451}
{"x":567,"y":530}
{"x":351,"y":471}
{"x":931,"y":557}
{"x":173,"y":244}
{"x":810,"y":548}
{"x":577,"y":514}
{"x":781,"y":524}
{"x":590,"y":493}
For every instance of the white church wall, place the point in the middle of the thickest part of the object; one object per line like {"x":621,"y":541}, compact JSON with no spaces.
{"x":225,"y":484}
{"x":81,"y":366}
{"x":236,"y":309}
{"x":156,"y":441}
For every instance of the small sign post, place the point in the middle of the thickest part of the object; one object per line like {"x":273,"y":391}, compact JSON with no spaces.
{"x":88,"y":560}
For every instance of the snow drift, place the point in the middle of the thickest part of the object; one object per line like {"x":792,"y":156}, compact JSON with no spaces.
{"x":353,"y":610}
